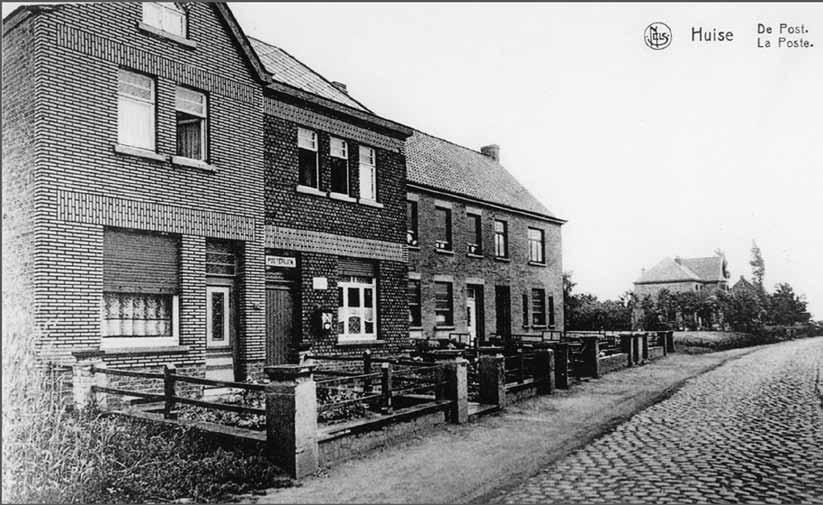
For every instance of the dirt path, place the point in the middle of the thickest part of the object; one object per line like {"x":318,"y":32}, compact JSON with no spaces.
{"x":466,"y":463}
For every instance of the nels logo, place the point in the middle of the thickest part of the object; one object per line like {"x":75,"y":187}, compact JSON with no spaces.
{"x":658,"y":36}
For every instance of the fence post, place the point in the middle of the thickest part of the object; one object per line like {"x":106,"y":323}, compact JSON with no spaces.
{"x":457,"y":390}
{"x":367,"y":367}
{"x":385,"y":386}
{"x":636,"y":348}
{"x":544,"y":370}
{"x":670,"y":341}
{"x":492,"y":374}
{"x":291,"y":419}
{"x":645,"y":342}
{"x":661,"y":340}
{"x":84,"y":377}
{"x":521,"y":367}
{"x":627,"y":345}
{"x":561,"y":365}
{"x":169,"y":391}
{"x":591,"y":345}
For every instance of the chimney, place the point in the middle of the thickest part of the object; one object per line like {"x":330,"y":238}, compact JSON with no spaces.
{"x":492,"y":151}
{"x":340,"y":86}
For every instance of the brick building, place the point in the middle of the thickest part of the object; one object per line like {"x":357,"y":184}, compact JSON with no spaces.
{"x":172,"y":202}
{"x":683,"y":274}
{"x":484,"y":254}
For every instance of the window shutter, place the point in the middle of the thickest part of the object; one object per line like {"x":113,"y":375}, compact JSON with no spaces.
{"x":140,"y":263}
{"x":351,"y":266}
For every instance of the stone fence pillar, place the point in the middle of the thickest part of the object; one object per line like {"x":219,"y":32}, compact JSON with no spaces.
{"x":561,"y":365}
{"x":457,"y":389}
{"x":627,"y":346}
{"x":645,"y":345}
{"x":591,"y":346}
{"x":636,"y":350}
{"x":83,"y":379}
{"x":492,"y":373}
{"x":670,"y":341}
{"x":544,"y":370}
{"x":291,"y":419}
{"x":661,"y":341}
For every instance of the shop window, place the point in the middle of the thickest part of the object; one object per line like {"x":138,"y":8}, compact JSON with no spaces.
{"x":501,"y":239}
{"x":339,"y":152}
{"x":411,"y":224}
{"x":415,"y":314}
{"x":444,"y":229}
{"x":307,"y":158}
{"x":537,"y":246}
{"x":166,"y":16}
{"x":368,"y":173}
{"x":443,"y":304}
{"x":539,"y":307}
{"x":191,"y":112}
{"x":475,"y":242}
{"x":356,"y":314}
{"x":135,"y":110}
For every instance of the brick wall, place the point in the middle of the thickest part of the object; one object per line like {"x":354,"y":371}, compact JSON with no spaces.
{"x":69,"y":60}
{"x":516,"y":273}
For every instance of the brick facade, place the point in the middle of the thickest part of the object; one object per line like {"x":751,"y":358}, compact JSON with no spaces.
{"x":461,"y":269}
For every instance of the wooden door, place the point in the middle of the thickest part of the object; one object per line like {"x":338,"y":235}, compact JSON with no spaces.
{"x":279,"y":322}
{"x":503,"y":308}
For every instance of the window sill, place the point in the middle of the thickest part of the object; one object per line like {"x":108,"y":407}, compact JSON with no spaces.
{"x":166,"y":35}
{"x":504,"y":260}
{"x":444,"y":251}
{"x":472,"y":255}
{"x":443,"y":328}
{"x":342,"y":197}
{"x":360,"y":342}
{"x":537,"y":264}
{"x":310,"y":190}
{"x":190,"y":162}
{"x":415,"y":328}
{"x":413,"y":247}
{"x":139,"y":152}
{"x":539,"y":326}
{"x":169,"y":349}
{"x":370,"y":203}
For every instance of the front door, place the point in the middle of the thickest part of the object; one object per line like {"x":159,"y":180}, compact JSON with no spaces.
{"x":474,"y":313}
{"x":503,"y":308}
{"x":279,"y":322}
{"x":220,"y":333}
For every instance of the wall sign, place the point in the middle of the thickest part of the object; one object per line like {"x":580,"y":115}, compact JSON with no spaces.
{"x":281,"y":261}
{"x":320,"y":283}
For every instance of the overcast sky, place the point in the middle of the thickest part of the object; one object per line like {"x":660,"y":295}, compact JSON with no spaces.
{"x":647,"y":154}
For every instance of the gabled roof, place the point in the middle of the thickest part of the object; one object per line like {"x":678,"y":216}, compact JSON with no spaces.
{"x":743,"y":284}
{"x":709,"y":269}
{"x":438,"y":164}
{"x":287,"y":69}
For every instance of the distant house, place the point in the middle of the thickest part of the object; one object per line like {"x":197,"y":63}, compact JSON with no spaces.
{"x":683,"y":274}
{"x":743,"y":285}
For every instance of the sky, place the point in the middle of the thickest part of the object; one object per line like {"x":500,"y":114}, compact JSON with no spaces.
{"x":647,"y":154}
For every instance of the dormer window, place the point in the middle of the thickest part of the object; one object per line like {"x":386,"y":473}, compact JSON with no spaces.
{"x":166,"y":16}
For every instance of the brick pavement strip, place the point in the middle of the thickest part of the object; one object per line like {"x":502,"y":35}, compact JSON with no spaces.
{"x":750,"y":431}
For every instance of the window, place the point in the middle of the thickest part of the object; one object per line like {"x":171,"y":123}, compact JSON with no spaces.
{"x":307,"y":147}
{"x":166,"y":16}
{"x":135,"y":110}
{"x":192,"y":112}
{"x":551,"y":311}
{"x":221,"y":260}
{"x":539,"y":307}
{"x":368,"y":173}
{"x":525,"y":310}
{"x":443,"y":313}
{"x":444,"y":229}
{"x":475,"y":242}
{"x":415,"y":316}
{"x":139,"y":315}
{"x":501,"y":239}
{"x":356,"y":312}
{"x":411,"y":224}
{"x":536,"y":246}
{"x":339,"y":151}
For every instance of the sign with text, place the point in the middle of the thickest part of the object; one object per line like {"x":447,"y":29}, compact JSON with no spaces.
{"x":281,"y":261}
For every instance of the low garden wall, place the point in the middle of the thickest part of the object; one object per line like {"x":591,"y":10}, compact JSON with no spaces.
{"x":614,"y":362}
{"x":656,"y":352}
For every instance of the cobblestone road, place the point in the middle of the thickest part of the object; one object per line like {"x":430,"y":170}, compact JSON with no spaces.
{"x":750,"y":431}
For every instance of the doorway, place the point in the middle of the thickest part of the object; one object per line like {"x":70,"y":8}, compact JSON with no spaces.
{"x":281,"y":326}
{"x":221,"y":320}
{"x":474,"y":313}
{"x":503,"y":309}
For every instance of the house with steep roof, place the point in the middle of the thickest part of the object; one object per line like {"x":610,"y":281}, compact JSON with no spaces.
{"x":485,"y":256}
{"x":683,"y":274}
{"x":743,"y":285}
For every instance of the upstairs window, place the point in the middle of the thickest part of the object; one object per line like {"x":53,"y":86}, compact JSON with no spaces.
{"x":411,"y":224}
{"x":339,"y":152}
{"x":192,"y":113}
{"x":307,"y":154}
{"x":538,"y":307}
{"x":368,"y":173}
{"x":415,"y":314}
{"x":166,"y":16}
{"x":443,"y":312}
{"x":135,"y":110}
{"x":475,"y":242}
{"x":536,"y":246}
{"x":444,"y":229}
{"x":501,"y":239}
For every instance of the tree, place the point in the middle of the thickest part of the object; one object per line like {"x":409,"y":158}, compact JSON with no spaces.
{"x":758,"y":267}
{"x":785,"y":307}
